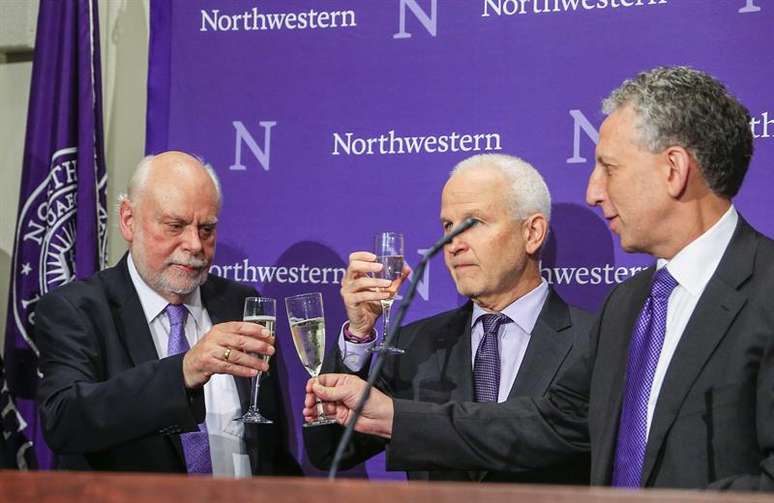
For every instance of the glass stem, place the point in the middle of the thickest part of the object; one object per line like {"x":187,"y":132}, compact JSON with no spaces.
{"x":320,"y":411}
{"x":256,"y":388}
{"x":386,"y":308}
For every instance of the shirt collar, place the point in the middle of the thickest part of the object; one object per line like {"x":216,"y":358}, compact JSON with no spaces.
{"x":154,"y":304}
{"x":524,"y":311}
{"x":694,"y":265}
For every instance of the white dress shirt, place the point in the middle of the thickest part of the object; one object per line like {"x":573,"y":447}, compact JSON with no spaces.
{"x":513,"y":338}
{"x":692,"y":268}
{"x":227,"y":446}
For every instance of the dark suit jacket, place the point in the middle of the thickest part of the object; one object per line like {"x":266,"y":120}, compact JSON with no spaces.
{"x":713,"y":423}
{"x":436,"y":367}
{"x":107,"y":402}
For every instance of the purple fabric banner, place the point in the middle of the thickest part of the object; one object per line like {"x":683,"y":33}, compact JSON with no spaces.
{"x":330,"y":121}
{"x":15,"y":448}
{"x":62,"y":218}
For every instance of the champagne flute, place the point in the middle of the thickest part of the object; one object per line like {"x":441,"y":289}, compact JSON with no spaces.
{"x":262,"y":311}
{"x":307,"y":326}
{"x":388,"y":248}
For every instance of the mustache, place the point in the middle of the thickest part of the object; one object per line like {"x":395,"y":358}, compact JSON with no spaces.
{"x":194,"y":262}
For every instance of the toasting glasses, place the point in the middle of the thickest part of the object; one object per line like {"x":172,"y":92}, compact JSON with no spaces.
{"x":307,"y":326}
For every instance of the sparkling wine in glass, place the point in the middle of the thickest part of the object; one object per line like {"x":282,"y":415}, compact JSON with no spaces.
{"x":262,"y":311}
{"x":388,"y":248}
{"x":307,"y":327}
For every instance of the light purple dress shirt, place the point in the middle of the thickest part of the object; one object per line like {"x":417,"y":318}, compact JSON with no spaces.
{"x":513,"y":338}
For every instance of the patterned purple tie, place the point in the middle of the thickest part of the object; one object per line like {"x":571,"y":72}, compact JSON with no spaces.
{"x":644,"y":352}
{"x":486,"y":371}
{"x":196,"y":445}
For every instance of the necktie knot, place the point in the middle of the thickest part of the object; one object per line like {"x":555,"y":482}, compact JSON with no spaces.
{"x":493,"y":321}
{"x":177,"y":313}
{"x":663,"y":284}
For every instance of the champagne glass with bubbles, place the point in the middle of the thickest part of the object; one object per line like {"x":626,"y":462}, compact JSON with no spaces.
{"x":262,"y":311}
{"x":388,"y":248}
{"x":307,"y":326}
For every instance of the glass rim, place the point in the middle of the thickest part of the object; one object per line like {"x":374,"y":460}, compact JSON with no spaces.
{"x":260,"y":298}
{"x":300,"y":295}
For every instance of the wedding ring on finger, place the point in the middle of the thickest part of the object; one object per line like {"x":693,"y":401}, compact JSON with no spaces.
{"x":226,"y":354}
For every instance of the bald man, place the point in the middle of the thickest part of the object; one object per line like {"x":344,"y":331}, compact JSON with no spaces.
{"x":145,"y":365}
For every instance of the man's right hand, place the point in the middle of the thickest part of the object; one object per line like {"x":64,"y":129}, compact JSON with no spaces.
{"x":361,"y":293}
{"x":340,"y":394}
{"x":239,"y":341}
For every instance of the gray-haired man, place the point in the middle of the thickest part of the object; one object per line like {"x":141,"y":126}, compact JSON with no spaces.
{"x":511,"y":339}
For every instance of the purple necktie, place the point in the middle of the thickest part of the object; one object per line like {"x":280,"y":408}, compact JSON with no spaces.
{"x":644,"y":351}
{"x":486,"y":371}
{"x":196,"y":445}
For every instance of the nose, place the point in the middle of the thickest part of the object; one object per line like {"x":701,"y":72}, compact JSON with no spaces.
{"x":191,"y":240}
{"x":456,"y":245}
{"x":596,"y":190}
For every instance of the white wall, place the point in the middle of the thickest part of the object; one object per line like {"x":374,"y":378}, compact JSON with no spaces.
{"x":15,"y":75}
{"x":124,"y":42}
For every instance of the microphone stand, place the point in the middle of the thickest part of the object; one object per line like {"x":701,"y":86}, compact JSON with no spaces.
{"x":411,"y":292}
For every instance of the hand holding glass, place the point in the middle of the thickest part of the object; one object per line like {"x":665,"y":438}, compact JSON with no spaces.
{"x":307,"y":326}
{"x":262,"y":311}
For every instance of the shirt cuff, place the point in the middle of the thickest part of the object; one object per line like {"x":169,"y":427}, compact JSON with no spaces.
{"x":355,"y":355}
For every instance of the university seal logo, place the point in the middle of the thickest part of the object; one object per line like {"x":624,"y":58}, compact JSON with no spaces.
{"x":45,"y":253}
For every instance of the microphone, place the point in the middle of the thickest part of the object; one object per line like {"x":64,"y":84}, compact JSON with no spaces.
{"x":447,"y":238}
{"x":410,"y":293}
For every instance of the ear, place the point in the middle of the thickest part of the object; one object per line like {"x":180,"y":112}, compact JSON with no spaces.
{"x":678,"y":164}
{"x":534,"y":231}
{"x":127,"y":220}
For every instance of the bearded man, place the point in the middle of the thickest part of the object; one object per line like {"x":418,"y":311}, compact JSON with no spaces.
{"x":144,"y":364}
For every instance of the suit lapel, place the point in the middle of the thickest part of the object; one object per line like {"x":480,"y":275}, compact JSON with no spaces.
{"x":714,"y":313}
{"x":546,"y":350}
{"x":458,"y":358}
{"x":132,"y":327}
{"x":130,"y":319}
{"x":454,"y":354}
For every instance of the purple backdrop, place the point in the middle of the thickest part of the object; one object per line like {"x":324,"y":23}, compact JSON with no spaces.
{"x":328,"y":122}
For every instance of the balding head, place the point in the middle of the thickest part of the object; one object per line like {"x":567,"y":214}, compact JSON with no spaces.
{"x":172,"y":164}
{"x":168,"y":218}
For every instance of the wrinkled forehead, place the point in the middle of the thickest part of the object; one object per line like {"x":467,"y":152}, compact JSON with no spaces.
{"x":186,"y":197}
{"x":475,"y":191}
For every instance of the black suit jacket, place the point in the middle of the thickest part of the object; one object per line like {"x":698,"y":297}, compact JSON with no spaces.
{"x":712,"y":425}
{"x":106,"y":400}
{"x":436,"y":367}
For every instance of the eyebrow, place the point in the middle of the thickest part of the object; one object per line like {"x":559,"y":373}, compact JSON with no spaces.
{"x":476,"y":213}
{"x":178,"y":218}
{"x":604,"y":159}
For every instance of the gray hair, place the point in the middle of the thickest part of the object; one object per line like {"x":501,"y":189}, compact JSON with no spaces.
{"x":140,"y":174}
{"x":528,"y":191}
{"x":682,"y":106}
